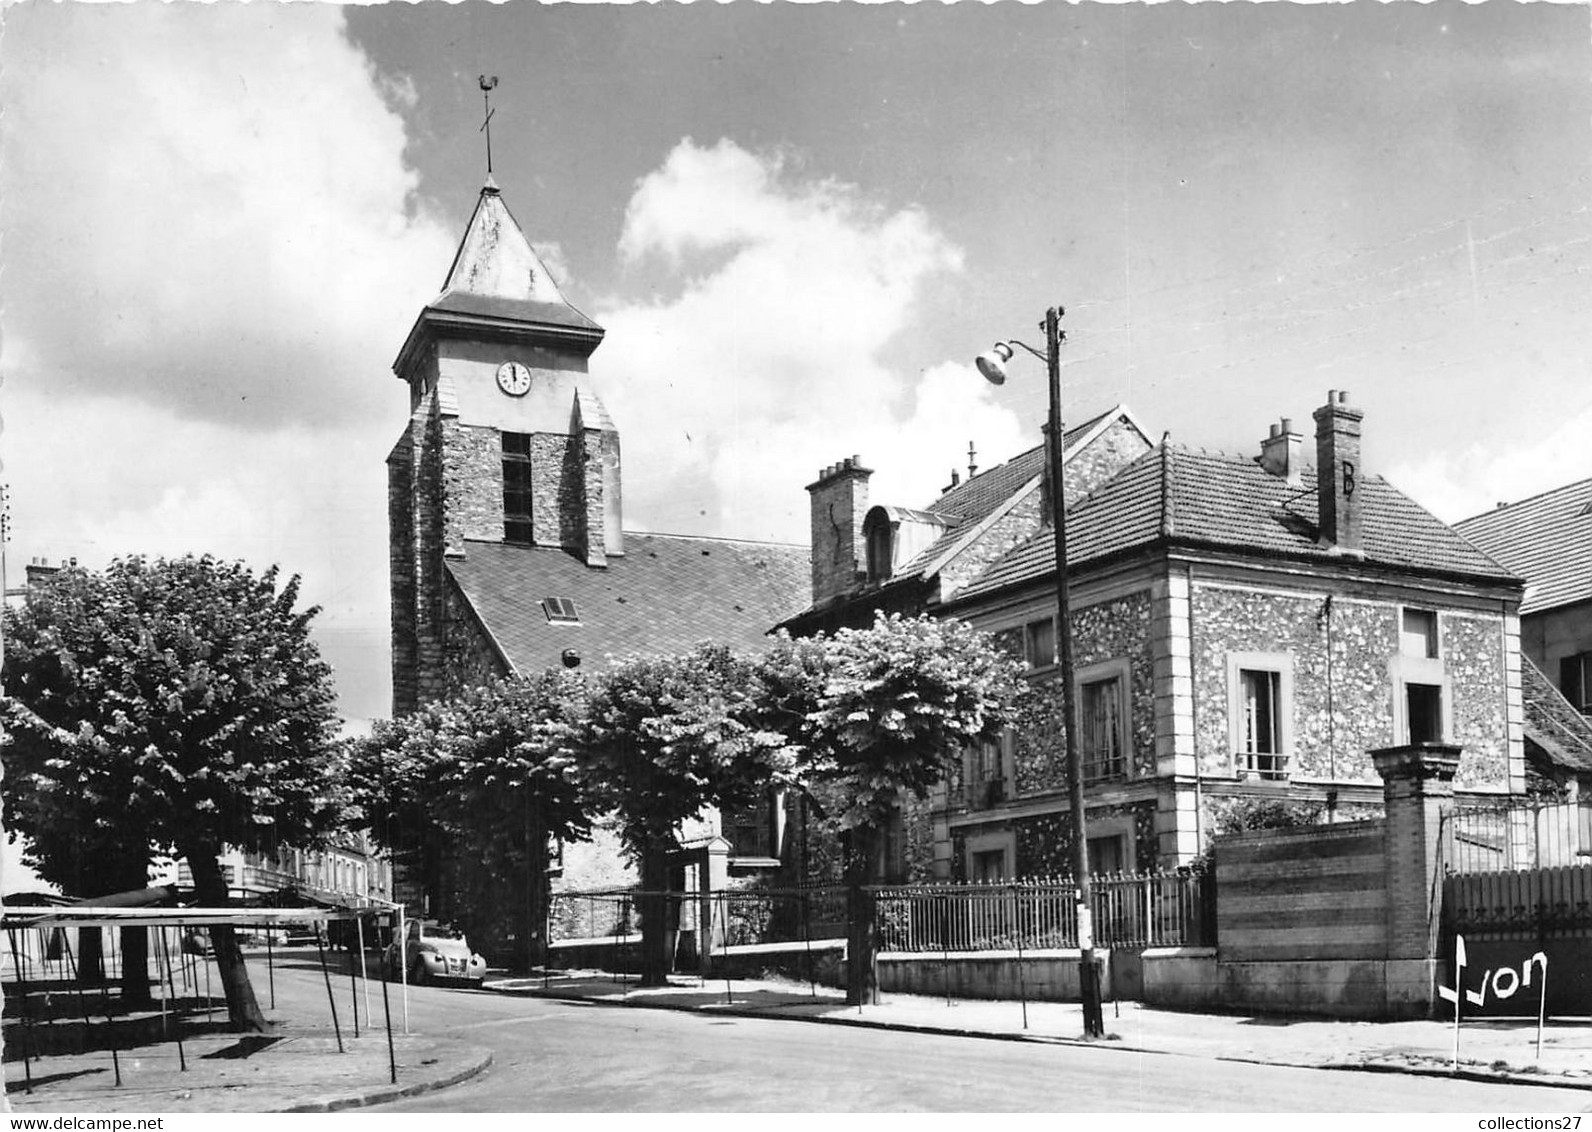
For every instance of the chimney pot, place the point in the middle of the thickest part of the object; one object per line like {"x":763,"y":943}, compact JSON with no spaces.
{"x":1280,"y":453}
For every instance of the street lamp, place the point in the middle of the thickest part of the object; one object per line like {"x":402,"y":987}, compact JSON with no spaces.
{"x":993,"y":366}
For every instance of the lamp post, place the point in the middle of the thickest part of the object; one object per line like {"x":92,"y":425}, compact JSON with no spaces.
{"x":993,"y":366}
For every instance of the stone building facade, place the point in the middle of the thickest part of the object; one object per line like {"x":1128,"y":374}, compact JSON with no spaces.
{"x":1238,"y":637}
{"x":1246,"y":629}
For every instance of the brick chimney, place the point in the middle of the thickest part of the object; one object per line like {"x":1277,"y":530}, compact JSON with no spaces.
{"x":1338,"y":476}
{"x":1281,"y":453}
{"x":839,"y":502}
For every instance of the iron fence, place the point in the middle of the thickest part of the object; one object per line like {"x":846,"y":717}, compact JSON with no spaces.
{"x":1170,"y":909}
{"x":1519,"y":833}
{"x":1129,"y":911}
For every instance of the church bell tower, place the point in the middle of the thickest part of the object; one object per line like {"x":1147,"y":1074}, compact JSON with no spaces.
{"x":507,"y":441}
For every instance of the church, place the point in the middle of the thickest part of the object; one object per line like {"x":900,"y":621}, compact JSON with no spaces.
{"x":509,"y":553}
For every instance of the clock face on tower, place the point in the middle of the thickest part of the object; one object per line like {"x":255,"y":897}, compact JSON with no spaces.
{"x":513,"y":378}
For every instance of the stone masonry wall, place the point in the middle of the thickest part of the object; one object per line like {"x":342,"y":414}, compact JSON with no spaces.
{"x":401,"y":572}
{"x":473,"y":469}
{"x":1343,"y":696}
{"x":1016,"y":526}
{"x":557,"y":504}
{"x":588,"y":448}
{"x":1109,"y":453}
{"x":470,"y":658}
{"x":1118,"y":629}
{"x":1474,"y":663}
{"x":1043,"y":842}
{"x":428,"y":545}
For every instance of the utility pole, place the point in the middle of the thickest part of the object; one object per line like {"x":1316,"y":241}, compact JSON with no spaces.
{"x":1088,"y":975}
{"x":993,"y":366}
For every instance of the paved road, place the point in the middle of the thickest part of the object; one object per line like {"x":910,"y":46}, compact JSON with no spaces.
{"x":569,"y":1056}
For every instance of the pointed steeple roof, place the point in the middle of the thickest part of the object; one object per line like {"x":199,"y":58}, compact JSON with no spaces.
{"x":498,"y":284}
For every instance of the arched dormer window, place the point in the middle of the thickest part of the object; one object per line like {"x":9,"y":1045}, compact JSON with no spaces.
{"x":879,"y":532}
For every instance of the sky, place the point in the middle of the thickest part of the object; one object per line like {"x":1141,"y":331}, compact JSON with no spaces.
{"x":798,"y":224}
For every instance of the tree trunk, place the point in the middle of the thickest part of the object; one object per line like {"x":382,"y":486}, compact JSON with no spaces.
{"x":533,"y":932}
{"x":655,"y":957}
{"x":135,"y":968}
{"x":210,"y":888}
{"x":91,"y":957}
{"x":862,"y":941}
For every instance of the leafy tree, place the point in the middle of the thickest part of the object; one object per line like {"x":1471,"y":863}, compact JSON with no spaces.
{"x":1242,"y":814}
{"x":668,"y":737}
{"x":176,"y":705}
{"x":877,"y":713}
{"x":486,"y":779}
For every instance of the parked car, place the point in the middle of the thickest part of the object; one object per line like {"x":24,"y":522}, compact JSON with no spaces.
{"x":434,"y":953}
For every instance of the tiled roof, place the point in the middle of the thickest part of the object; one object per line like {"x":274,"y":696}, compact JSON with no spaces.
{"x":1563,"y":734}
{"x":986,"y":491}
{"x":1222,"y":500}
{"x":975,"y":500}
{"x":667,"y":593}
{"x":1546,"y":539}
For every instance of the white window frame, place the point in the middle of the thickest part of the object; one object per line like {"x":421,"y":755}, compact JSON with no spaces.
{"x":1282,"y":664}
{"x":1406,"y":670}
{"x":1433,"y":649}
{"x":1120,"y":671}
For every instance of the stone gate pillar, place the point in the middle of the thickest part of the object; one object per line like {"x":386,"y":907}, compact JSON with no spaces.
{"x":1417,"y":788}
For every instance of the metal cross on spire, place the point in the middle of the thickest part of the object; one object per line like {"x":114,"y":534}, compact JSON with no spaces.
{"x":487,"y":84}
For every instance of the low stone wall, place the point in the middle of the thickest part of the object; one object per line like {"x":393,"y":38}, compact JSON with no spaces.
{"x":822,"y":961}
{"x":1050,"y":975}
{"x":1183,"y":978}
{"x":1380,"y":989}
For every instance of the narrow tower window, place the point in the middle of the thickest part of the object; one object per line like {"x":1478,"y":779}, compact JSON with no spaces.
{"x":516,"y":487}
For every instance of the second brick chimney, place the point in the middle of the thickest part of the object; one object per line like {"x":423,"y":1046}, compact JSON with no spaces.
{"x":1280,"y":453}
{"x":839,"y":503}
{"x":1338,"y":477}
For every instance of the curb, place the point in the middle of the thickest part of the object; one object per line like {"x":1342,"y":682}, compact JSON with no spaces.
{"x":382,"y":1094}
{"x":1052,"y":1039}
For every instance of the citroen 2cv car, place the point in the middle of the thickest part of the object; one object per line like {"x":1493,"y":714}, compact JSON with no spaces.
{"x":434,"y":954}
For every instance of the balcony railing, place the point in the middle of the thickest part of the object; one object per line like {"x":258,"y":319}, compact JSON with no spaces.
{"x":1103,"y":767}
{"x":1271,"y":767}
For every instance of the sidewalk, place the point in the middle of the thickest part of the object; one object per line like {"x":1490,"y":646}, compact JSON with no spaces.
{"x":294,"y":1070}
{"x":298,"y":1069}
{"x":1488,"y":1049}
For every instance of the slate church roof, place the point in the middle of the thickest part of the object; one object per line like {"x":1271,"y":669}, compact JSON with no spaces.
{"x":497,"y":282}
{"x":665,"y":594}
{"x":1546,"y":539}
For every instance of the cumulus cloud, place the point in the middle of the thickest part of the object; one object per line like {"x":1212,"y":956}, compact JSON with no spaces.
{"x":1457,"y":485}
{"x":210,"y":208}
{"x":773,"y":357}
{"x":211,"y":247}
